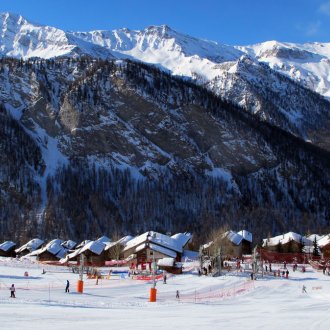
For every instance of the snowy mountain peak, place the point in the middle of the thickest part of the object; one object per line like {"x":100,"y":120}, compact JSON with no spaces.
{"x":22,"y":39}
{"x":308,"y":64}
{"x":161,"y":30}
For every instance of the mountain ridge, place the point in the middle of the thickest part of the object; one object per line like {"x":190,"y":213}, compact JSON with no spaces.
{"x":236,"y":73}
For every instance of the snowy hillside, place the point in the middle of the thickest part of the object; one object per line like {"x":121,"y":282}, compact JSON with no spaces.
{"x":308,"y":64}
{"x":211,"y":64}
{"x":23,"y":39}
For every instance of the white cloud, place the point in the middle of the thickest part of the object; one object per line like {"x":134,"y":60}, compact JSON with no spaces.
{"x":312,"y":29}
{"x":325,"y":8}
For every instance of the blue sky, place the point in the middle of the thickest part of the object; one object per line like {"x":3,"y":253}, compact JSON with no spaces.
{"x":235,"y":22}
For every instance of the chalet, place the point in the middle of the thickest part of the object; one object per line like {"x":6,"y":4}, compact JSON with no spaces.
{"x":93,"y":252}
{"x":182,"y":238}
{"x":32,"y":245}
{"x":114,"y":250}
{"x":232,"y":244}
{"x":7,"y":249}
{"x":287,"y":243}
{"x":152,"y":246}
{"x":52,"y":251}
{"x":246,"y":241}
{"x":170,"y":265}
{"x":324,"y":245}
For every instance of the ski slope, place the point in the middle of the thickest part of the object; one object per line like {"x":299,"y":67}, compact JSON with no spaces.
{"x":231,"y":301}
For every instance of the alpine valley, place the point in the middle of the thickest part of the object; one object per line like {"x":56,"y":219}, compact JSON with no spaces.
{"x":125,"y":131}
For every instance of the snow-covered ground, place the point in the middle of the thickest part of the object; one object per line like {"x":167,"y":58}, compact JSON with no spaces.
{"x":231,"y":301}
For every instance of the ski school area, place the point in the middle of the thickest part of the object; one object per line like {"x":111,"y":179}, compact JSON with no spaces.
{"x":119,"y":300}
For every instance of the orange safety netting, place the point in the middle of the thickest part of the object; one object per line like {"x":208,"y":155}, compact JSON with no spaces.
{"x":218,"y":294}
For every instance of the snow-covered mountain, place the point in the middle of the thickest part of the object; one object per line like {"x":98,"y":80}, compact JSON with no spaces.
{"x":239,"y":74}
{"x":236,"y":73}
{"x":93,"y":141}
{"x":308,"y":64}
{"x":22,"y":39}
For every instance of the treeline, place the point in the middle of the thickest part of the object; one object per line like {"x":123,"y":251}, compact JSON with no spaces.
{"x":21,"y":163}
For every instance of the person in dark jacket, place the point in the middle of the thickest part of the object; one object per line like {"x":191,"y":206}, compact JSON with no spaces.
{"x":12,"y":291}
{"x":67,"y":286}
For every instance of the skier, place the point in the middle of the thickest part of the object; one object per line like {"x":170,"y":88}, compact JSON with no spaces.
{"x":177,"y":294}
{"x":12,"y":291}
{"x":304,"y":289}
{"x":270,"y":267}
{"x":164,"y":278}
{"x":67,"y":286}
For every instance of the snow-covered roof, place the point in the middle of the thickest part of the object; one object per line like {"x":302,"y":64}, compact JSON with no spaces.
{"x":61,"y":253}
{"x":122,"y":241}
{"x":96,"y":247}
{"x":313,"y":236}
{"x":70,"y":256}
{"x":83,"y":243}
{"x":157,"y":248}
{"x":234,"y":237}
{"x":246,"y":235}
{"x":69,"y":244}
{"x":325,"y":240}
{"x":136,"y":241}
{"x":190,"y":255}
{"x":157,"y":238}
{"x":32,"y":245}
{"x":182,"y":238}
{"x":6,"y":246}
{"x":285,"y":238}
{"x":54,"y":247}
{"x":109,"y":245}
{"x":166,"y":262}
{"x":162,"y":250}
{"x":103,"y":239}
{"x":93,"y":246}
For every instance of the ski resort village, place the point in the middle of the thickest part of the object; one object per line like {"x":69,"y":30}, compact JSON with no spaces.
{"x":155,"y":280}
{"x":165,"y":165}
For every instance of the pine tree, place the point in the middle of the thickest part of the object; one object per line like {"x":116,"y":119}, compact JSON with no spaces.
{"x":316,"y":250}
